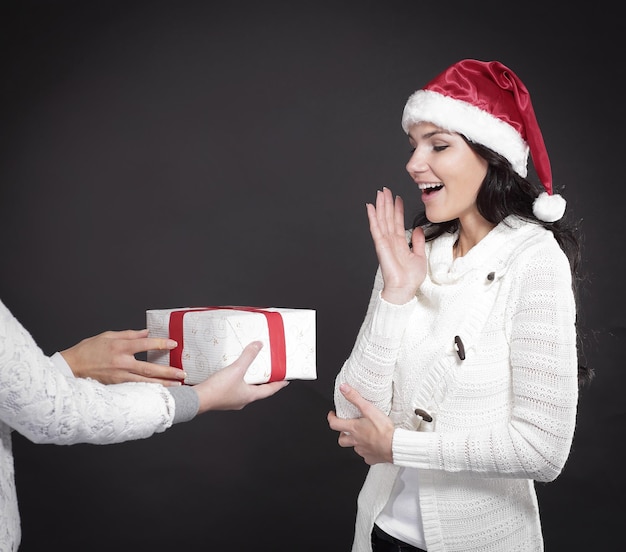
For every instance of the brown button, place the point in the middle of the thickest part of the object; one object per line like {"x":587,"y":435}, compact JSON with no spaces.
{"x":460,"y":348}
{"x":424,"y":415}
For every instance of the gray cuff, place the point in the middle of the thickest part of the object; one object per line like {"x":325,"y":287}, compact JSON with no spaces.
{"x":187,"y":403}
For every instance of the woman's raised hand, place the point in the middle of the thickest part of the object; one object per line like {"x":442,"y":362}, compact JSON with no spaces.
{"x":403,"y":267}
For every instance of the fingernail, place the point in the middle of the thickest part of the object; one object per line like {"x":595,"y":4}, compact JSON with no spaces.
{"x":345,"y":388}
{"x":172,"y":344}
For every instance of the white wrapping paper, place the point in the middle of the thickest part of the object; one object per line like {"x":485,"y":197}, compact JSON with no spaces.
{"x":213,"y":339}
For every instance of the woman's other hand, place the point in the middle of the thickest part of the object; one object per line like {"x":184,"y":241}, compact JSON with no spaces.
{"x":371,"y":435}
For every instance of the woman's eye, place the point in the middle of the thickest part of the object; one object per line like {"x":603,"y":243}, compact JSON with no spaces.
{"x":412,"y":150}
{"x":439,"y":148}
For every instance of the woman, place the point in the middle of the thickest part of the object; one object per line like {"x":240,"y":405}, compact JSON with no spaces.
{"x":41,"y":399}
{"x":461,"y":389}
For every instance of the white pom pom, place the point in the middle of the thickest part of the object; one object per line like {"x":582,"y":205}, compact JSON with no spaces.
{"x":549,"y":208}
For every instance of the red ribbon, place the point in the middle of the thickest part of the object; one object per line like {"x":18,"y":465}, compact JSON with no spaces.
{"x":276,"y":332}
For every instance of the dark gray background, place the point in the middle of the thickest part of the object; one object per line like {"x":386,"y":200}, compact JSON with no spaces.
{"x":162,"y":154}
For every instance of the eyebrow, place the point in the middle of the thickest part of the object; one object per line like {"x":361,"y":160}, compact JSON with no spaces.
{"x":431,"y":134}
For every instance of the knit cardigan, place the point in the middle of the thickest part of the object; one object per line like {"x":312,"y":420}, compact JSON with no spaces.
{"x":45,"y":406}
{"x":502,"y":418}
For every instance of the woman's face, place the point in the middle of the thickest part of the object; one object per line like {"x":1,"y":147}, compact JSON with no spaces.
{"x":447,"y":171}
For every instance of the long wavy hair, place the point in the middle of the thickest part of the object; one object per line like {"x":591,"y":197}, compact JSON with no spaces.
{"x":503,"y":193}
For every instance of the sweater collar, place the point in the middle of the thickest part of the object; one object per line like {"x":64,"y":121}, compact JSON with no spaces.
{"x":490,"y":253}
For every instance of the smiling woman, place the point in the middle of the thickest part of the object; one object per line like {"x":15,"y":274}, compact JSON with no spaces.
{"x":245,"y":137}
{"x":461,"y":390}
{"x":450,"y":174}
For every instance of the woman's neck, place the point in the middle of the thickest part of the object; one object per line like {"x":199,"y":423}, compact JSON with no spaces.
{"x":471,"y":231}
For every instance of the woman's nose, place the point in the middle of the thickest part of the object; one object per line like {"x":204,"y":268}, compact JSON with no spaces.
{"x":416,"y":163}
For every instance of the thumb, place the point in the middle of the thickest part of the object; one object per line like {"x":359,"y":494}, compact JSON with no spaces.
{"x":248,"y":355}
{"x":354,"y":397}
{"x":418,"y":240}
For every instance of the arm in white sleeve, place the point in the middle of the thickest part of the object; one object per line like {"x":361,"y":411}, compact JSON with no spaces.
{"x":369,"y":368}
{"x":45,"y":406}
{"x":185,"y":397}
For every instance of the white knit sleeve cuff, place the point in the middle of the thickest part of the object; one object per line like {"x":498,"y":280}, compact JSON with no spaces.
{"x":414,"y":449}
{"x":390,"y":319}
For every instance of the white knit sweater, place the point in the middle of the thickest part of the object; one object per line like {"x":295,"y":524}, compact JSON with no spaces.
{"x":502,"y":418}
{"x":42,"y":404}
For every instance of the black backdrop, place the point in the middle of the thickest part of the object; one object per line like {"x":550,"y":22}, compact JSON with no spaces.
{"x":161,"y":154}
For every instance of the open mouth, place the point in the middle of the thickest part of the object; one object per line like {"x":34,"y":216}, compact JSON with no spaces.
{"x":430,"y":188}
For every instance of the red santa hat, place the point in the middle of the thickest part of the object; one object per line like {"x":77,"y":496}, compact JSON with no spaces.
{"x":488,"y":103}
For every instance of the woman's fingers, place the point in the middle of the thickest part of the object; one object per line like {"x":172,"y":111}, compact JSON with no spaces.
{"x":389,"y":211}
{"x":386,"y":217}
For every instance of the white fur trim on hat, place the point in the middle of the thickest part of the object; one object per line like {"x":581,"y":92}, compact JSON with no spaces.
{"x":474,"y":123}
{"x":549,"y":208}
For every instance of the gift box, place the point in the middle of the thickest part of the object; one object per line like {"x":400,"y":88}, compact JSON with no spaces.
{"x":210,"y":338}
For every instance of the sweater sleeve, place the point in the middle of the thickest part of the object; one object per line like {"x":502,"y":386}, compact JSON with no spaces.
{"x":369,"y":368}
{"x":185,"y":397}
{"x":535,"y":441}
{"x":45,"y":406}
